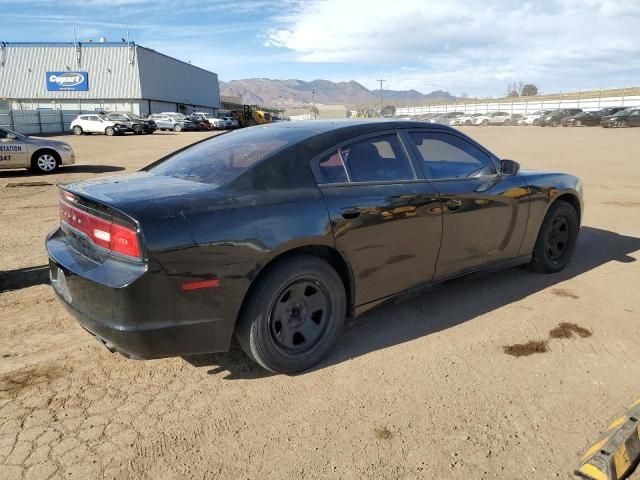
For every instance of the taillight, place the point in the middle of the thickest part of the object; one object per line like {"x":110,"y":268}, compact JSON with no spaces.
{"x":104,"y":233}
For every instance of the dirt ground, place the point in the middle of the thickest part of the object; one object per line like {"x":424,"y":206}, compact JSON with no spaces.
{"x":478,"y":379}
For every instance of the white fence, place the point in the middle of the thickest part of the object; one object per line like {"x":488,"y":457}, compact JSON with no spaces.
{"x":586,"y":104}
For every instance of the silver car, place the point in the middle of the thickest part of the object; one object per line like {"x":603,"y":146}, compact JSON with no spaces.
{"x":42,"y":155}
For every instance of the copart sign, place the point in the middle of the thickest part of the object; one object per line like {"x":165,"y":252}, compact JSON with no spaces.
{"x":68,"y":81}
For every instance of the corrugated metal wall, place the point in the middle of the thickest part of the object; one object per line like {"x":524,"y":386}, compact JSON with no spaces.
{"x":167,"y":79}
{"x":111,"y":75}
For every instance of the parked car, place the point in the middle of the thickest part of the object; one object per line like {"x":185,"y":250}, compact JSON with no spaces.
{"x":42,"y":155}
{"x":533,"y":118}
{"x":230,"y":122}
{"x":493,"y":118}
{"x":466,"y":119}
{"x":215,"y":122}
{"x":97,"y":123}
{"x":277,"y":233}
{"x":589,"y":118}
{"x":515,"y":118}
{"x":133,"y":122}
{"x":445,"y":118}
{"x":165,"y":122}
{"x":629,"y":117}
{"x":554,"y":118}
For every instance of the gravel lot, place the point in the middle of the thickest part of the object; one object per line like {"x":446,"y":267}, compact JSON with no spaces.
{"x":422,"y":389}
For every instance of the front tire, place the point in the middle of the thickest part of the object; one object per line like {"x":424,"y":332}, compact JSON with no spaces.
{"x":294,"y":315}
{"x":45,"y":161}
{"x":621,"y":123}
{"x":177,"y":127}
{"x":557,"y":239}
{"x":554,"y":123}
{"x":485,"y":123}
{"x":109,"y":131}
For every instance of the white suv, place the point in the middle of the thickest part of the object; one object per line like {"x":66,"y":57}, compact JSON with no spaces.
{"x":493,"y":118}
{"x":96,"y":123}
{"x":533,"y":118}
{"x":466,"y":119}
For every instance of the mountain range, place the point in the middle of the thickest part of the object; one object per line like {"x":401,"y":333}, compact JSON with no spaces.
{"x":296,"y":93}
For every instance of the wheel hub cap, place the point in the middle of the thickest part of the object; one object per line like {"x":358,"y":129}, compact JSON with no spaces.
{"x":557,"y":239}
{"x":299,"y":316}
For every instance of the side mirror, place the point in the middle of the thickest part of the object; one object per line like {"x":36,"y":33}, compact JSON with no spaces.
{"x":509,"y":167}
{"x":11,"y":136}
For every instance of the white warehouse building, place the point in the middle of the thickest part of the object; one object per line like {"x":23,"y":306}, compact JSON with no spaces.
{"x":102,"y":76}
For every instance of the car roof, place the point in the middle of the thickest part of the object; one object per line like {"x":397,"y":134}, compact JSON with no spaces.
{"x":321,"y":126}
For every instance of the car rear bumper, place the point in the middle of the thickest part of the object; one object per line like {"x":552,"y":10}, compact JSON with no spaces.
{"x":135,"y":309}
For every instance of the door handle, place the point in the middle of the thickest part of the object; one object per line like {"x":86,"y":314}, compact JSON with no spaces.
{"x":453,"y":204}
{"x":350,"y":213}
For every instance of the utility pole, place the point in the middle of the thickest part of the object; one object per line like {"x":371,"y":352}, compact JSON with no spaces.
{"x":313,"y":101}
{"x":381,"y":81}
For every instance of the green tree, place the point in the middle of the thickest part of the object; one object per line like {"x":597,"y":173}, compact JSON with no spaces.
{"x":529,"y":90}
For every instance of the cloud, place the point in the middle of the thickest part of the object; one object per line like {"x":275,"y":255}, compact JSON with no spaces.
{"x":465,"y":45}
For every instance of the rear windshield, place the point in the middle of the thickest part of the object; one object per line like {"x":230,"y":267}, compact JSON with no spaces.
{"x":223,"y":158}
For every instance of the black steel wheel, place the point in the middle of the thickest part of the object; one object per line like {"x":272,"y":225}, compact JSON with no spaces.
{"x":557,"y":239}
{"x":293,"y":316}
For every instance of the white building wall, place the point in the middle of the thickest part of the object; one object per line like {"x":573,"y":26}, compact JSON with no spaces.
{"x":167,"y":79}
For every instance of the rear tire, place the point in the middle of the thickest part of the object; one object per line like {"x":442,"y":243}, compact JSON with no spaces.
{"x":77,"y":130}
{"x":554,"y":123}
{"x":293,"y":316}
{"x":557,"y":239}
{"x":506,"y":123}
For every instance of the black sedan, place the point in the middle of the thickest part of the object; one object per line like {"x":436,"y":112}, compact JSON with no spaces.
{"x":589,"y":118}
{"x":276,"y":233}
{"x":624,"y":118}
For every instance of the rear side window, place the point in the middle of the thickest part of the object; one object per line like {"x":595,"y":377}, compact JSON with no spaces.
{"x":449,"y":156}
{"x":377,"y":159}
{"x":331,"y":169}
{"x":223,"y":158}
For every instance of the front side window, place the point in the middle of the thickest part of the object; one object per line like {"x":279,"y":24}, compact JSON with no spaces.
{"x":449,"y":156}
{"x":377,"y":159}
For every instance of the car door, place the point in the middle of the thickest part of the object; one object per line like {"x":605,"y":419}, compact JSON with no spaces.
{"x":484,"y":213}
{"x":634,"y":118}
{"x":14,"y":151}
{"x":385,"y":218}
{"x":94,"y":124}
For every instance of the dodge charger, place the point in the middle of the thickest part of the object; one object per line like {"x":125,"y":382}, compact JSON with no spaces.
{"x":277,"y":233}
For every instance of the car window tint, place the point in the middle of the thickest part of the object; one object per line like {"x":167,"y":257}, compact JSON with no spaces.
{"x":331,"y":169}
{"x":377,"y":159}
{"x":223,"y":158}
{"x":449,"y":156}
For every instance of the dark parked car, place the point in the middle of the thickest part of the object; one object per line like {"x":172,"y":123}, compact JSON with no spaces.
{"x":624,"y":118}
{"x":278,"y":232}
{"x":133,"y":122}
{"x":554,"y":118}
{"x":589,"y":118}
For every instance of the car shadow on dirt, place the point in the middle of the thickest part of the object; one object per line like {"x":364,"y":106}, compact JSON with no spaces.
{"x":452,"y":303}
{"x":24,"y":278}
{"x":63,"y":170}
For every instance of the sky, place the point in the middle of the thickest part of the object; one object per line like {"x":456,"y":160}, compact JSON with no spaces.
{"x":461,"y":46}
